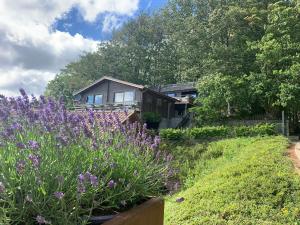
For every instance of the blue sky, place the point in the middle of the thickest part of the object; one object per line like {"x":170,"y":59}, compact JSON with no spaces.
{"x":73,"y":22}
{"x":38,"y":38}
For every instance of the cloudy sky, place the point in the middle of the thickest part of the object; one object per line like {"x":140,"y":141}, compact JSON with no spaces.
{"x":39,"y":37}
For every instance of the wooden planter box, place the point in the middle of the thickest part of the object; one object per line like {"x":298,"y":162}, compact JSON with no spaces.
{"x":148,"y":213}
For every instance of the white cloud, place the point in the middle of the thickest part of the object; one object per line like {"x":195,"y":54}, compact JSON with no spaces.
{"x":111,"y":22}
{"x":31,"y":52}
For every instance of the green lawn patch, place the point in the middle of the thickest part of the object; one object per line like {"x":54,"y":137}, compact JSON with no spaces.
{"x":240,"y":181}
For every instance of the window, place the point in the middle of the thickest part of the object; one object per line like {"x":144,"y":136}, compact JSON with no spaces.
{"x":119,"y":97}
{"x":124,"y":97}
{"x":90,"y":99}
{"x":171,"y":95}
{"x":98,"y":99}
{"x":129,"y":96}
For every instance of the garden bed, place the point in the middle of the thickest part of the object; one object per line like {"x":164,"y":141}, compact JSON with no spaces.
{"x":61,"y":167}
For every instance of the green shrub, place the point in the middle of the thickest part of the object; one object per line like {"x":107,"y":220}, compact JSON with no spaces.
{"x":151,"y":117}
{"x":257,"y":130}
{"x":208,"y":132}
{"x":172,"y":134}
{"x":218,"y":132}
{"x":253,"y":182}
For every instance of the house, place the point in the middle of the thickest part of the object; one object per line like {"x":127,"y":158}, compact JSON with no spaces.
{"x":111,"y":94}
{"x":185,"y":93}
{"x":182,"y":90}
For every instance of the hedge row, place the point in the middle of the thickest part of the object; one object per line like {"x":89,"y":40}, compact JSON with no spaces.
{"x":218,"y":132}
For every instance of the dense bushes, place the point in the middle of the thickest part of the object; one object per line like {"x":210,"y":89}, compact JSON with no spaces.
{"x":218,"y":132}
{"x":240,"y":181}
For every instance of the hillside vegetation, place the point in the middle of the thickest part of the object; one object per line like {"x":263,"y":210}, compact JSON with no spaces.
{"x":240,"y":181}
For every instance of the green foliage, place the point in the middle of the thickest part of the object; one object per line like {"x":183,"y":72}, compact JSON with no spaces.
{"x":217,"y":132}
{"x":172,"y":134}
{"x":244,"y":55}
{"x":251,"y":182}
{"x":151,"y":117}
{"x":208,"y":132}
{"x":257,"y":130}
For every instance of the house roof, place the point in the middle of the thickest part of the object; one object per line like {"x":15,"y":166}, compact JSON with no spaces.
{"x":108,"y":78}
{"x":189,"y":86}
{"x":102,"y":116}
{"x":141,"y":87}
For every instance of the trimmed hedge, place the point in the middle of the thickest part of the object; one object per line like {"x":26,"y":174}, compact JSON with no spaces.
{"x":218,"y":132}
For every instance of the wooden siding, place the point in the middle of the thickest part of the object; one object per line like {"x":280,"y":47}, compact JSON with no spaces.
{"x":108,"y":89}
{"x":157,"y":104}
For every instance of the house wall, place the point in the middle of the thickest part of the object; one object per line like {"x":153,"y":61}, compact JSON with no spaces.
{"x":156,"y":103}
{"x":108,"y":89}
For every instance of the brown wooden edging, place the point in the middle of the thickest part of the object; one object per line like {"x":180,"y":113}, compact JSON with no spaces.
{"x":148,"y":213}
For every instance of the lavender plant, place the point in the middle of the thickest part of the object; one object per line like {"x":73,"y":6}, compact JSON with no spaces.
{"x":61,"y":167}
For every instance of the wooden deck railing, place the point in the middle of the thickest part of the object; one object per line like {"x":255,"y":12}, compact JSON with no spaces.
{"x":108,"y":107}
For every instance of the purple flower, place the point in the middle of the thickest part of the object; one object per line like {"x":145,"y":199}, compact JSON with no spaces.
{"x":21,"y":164}
{"x":81,"y":178}
{"x":112,"y":184}
{"x":81,"y":188}
{"x":2,"y":187}
{"x":59,"y":195}
{"x":33,"y":145}
{"x":94,"y":181}
{"x":41,"y":220}
{"x":16,"y":126}
{"x":35,"y":160}
{"x":20,"y":145}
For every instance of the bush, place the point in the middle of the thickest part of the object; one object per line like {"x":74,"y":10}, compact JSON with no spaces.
{"x":257,"y":130}
{"x":208,"y":132}
{"x":172,"y":134}
{"x":253,"y":182}
{"x":218,"y":132}
{"x":60,"y":167}
{"x":151,"y":117}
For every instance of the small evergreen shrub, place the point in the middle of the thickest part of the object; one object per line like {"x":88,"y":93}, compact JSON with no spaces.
{"x":172,"y":134}
{"x":218,"y":132}
{"x":151,"y":117}
{"x":208,"y":132}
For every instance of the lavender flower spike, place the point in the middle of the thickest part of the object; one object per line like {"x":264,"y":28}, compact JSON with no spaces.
{"x":33,"y":145}
{"x":94,"y":181}
{"x":59,"y":195}
{"x":112,"y":184}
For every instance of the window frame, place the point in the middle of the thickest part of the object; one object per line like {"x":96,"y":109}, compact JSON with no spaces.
{"x":133,"y":96}
{"x":115,"y":94}
{"x":87,"y":99}
{"x":123,"y":97}
{"x":101,"y":99}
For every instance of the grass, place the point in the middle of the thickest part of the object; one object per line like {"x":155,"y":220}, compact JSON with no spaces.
{"x":240,"y":181}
